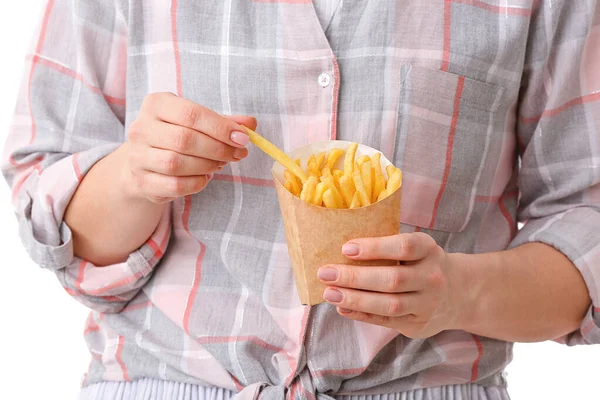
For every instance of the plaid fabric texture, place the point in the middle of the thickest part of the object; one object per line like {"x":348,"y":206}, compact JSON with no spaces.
{"x":490,"y":107}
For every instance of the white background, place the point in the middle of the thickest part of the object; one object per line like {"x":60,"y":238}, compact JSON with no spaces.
{"x":43,"y":353}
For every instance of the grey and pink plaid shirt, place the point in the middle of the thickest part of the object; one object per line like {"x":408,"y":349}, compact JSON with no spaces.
{"x":490,"y":107}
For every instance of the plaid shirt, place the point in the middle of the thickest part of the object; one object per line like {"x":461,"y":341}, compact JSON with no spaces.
{"x":490,"y":107}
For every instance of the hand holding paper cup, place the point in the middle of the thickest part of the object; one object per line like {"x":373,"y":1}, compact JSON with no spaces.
{"x":348,"y":191}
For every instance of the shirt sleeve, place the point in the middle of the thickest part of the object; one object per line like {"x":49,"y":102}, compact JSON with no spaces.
{"x":70,"y":114}
{"x":559,"y":143}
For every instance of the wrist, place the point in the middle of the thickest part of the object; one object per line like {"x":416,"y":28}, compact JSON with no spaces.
{"x":466,"y":291}
{"x":126,"y":185}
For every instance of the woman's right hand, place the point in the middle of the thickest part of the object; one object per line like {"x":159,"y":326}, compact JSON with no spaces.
{"x":175,"y":146}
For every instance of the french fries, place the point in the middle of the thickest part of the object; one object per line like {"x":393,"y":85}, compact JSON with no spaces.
{"x":361,"y":181}
{"x":330,"y":187}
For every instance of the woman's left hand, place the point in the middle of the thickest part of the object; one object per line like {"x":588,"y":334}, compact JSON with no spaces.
{"x":418,"y":298}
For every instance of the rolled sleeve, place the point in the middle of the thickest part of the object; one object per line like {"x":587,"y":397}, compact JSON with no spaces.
{"x":559,"y":144}
{"x":41,"y":205}
{"x":576,"y":234}
{"x":70,"y":114}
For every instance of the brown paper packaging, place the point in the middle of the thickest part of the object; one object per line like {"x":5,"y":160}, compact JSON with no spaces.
{"x":315,"y":235}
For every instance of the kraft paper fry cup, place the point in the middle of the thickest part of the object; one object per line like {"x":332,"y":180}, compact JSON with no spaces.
{"x":315,"y":234}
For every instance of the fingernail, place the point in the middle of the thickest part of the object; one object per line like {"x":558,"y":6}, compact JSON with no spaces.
{"x":238,"y":154}
{"x":344,"y":310}
{"x":240,"y":138}
{"x":222,"y":163}
{"x":333,"y":295}
{"x":351,"y":249}
{"x":210,"y":176}
{"x":327,"y":274}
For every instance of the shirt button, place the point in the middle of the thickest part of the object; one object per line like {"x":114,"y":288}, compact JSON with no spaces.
{"x":324,"y":79}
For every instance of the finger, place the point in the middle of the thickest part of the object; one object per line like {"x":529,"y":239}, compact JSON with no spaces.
{"x":402,"y":247}
{"x":176,"y":110}
{"x":391,"y":305}
{"x":155,"y":185}
{"x":372,"y":319}
{"x":167,"y":162}
{"x":398,"y":323}
{"x":184,"y":140}
{"x":392,"y":279}
{"x":244,"y":120}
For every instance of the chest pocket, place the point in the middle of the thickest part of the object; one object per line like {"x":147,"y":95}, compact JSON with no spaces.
{"x":447,"y":127}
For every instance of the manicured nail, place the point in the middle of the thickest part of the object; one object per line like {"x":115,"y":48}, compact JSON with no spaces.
{"x":351,"y":249}
{"x":327,"y":274}
{"x":240,"y":138}
{"x":344,"y":310}
{"x":210,"y":176}
{"x":333,"y":295}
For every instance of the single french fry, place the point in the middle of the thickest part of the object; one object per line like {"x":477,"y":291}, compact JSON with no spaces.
{"x":338,"y":173}
{"x":365,"y":200}
{"x":336,"y":183}
{"x":394,"y":182}
{"x":326,"y":171}
{"x":362,"y":159}
{"x":347,"y":189}
{"x":349,"y":160}
{"x":376,"y":162}
{"x":384,"y":193}
{"x":290,"y":188}
{"x":312,"y":167}
{"x":275,"y":153}
{"x":390,"y":170}
{"x":373,"y":183}
{"x":320,"y":158}
{"x":329,"y":199}
{"x":355,"y":200}
{"x":321,"y":188}
{"x":296,"y":182}
{"x":365,"y":174}
{"x":335,"y":191}
{"x":311,"y":163}
{"x":295,"y":186}
{"x":297,"y":161}
{"x":333,"y":156}
{"x":379,"y":185}
{"x":308,"y":190}
{"x":314,"y":172}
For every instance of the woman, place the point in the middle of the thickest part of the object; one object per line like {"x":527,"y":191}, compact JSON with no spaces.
{"x":133,"y":182}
